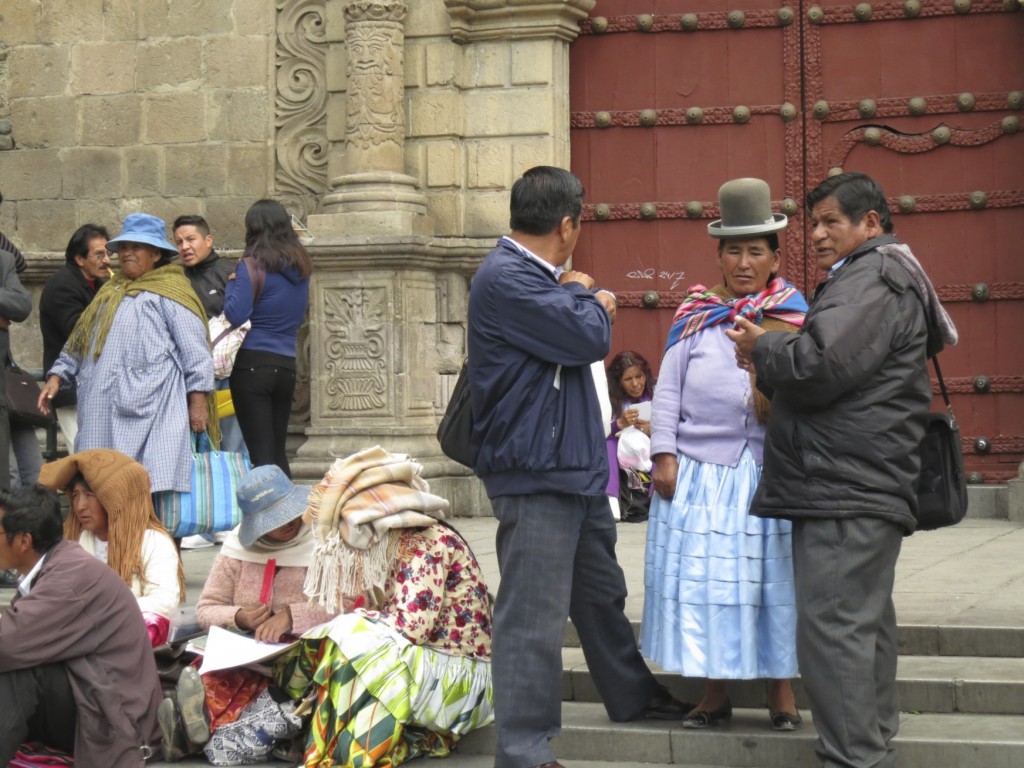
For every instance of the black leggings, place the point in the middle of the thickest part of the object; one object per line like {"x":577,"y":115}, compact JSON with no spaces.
{"x":262,"y":393}
{"x":37,"y":705}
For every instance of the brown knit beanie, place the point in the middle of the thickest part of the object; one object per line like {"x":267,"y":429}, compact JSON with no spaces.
{"x":121,"y":485}
{"x":117,"y":480}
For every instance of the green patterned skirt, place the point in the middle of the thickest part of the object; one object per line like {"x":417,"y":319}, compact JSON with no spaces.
{"x":380,"y":700}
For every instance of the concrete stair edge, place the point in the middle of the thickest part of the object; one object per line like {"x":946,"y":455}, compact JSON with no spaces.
{"x":921,"y":640}
{"x":925,"y":741}
{"x":940,"y":684}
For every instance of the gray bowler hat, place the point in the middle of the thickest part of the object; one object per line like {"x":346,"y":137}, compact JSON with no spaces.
{"x":746,"y":206}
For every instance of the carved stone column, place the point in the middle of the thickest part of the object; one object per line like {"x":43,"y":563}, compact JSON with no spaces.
{"x":388,"y":298}
{"x":374,"y":194}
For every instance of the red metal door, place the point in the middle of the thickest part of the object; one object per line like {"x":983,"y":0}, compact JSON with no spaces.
{"x":671,"y":100}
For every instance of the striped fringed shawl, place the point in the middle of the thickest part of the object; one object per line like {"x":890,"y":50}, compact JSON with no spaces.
{"x":779,"y":307}
{"x":352,"y":510}
{"x":703,"y":308}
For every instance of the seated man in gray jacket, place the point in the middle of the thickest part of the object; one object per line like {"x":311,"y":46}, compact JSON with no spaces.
{"x":76,"y":667}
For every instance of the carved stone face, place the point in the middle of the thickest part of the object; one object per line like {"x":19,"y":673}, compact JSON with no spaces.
{"x":370,"y":53}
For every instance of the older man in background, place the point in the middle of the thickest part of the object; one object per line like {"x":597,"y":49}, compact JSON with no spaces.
{"x":65,"y":296}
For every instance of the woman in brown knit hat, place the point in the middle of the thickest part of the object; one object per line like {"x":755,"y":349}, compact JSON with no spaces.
{"x":112,"y":518}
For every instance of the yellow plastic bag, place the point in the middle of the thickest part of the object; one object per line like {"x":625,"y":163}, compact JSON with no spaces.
{"x":225,"y":405}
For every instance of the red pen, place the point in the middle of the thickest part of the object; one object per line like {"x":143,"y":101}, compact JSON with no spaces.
{"x":268,"y":580}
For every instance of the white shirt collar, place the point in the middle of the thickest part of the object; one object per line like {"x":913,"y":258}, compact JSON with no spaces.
{"x":26,"y":581}
{"x":556,"y":271}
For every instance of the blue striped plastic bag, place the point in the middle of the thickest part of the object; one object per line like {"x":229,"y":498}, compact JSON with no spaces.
{"x":211,"y":506}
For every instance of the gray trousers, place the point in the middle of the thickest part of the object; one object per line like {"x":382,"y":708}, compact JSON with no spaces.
{"x":25,"y":457}
{"x":556,"y":555}
{"x":846,"y":635}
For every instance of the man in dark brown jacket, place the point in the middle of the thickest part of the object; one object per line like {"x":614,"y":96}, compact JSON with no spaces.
{"x":76,"y":667}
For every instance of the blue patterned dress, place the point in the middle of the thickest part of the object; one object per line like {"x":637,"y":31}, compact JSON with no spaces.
{"x":133,"y":399}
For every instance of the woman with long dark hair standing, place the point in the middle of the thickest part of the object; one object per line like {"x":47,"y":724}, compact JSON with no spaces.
{"x":270,"y":288}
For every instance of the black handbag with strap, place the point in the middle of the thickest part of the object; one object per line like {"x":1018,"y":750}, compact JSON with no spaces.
{"x":22,"y":392}
{"x":456,"y":428}
{"x":942,"y":486}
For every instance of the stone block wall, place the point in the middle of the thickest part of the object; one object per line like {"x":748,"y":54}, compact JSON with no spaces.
{"x":128,"y":105}
{"x":479,"y":115}
{"x":108,"y":107}
{"x":169,"y":107}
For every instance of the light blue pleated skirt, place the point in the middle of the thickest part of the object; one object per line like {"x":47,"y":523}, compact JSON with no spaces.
{"x":718,"y":582}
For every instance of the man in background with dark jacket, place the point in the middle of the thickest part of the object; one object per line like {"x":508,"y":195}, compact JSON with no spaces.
{"x":534,"y":331}
{"x":65,"y":296}
{"x":204,"y":268}
{"x":15,"y":305}
{"x":841,"y":460}
{"x":209,"y":275}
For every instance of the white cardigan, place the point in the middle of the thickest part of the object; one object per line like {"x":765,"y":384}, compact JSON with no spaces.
{"x":159,"y":594}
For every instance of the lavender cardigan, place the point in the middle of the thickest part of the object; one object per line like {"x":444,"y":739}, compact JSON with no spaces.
{"x":703,"y":403}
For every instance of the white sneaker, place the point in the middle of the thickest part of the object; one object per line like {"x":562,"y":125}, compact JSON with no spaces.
{"x":221,"y":536}
{"x":195,"y":542}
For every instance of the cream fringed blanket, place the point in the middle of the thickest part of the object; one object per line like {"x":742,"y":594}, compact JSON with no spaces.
{"x":352,"y":510}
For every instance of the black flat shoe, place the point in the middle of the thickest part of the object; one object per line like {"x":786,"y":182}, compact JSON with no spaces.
{"x":785,"y":721}
{"x":704,"y":719}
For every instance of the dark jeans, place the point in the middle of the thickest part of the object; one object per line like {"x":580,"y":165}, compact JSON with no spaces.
{"x":262,"y":395}
{"x":37,"y":705}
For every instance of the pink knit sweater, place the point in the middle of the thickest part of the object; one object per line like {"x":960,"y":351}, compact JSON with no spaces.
{"x":233,"y":584}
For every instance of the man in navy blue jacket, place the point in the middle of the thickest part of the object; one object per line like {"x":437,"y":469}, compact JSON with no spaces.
{"x":534,"y":330}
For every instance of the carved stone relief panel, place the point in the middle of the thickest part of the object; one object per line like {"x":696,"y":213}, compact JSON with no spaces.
{"x":356,"y":352}
{"x":300,"y":105}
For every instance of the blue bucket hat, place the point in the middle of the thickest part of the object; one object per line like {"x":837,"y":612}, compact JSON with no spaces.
{"x":268,"y":500}
{"x":143,"y":228}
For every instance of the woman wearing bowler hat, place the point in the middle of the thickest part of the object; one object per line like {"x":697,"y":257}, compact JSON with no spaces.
{"x":718,"y":583}
{"x":140,"y":355}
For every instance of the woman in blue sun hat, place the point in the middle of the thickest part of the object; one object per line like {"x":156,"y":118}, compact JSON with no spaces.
{"x":140,"y":355}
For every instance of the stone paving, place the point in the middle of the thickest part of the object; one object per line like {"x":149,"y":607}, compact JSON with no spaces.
{"x":968,"y":575}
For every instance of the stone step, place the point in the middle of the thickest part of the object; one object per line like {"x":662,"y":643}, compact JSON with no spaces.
{"x":972,"y":717}
{"x":923,"y":640}
{"x":934,"y":684}
{"x":958,"y":711}
{"x":456,"y":760}
{"x":925,"y":741}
